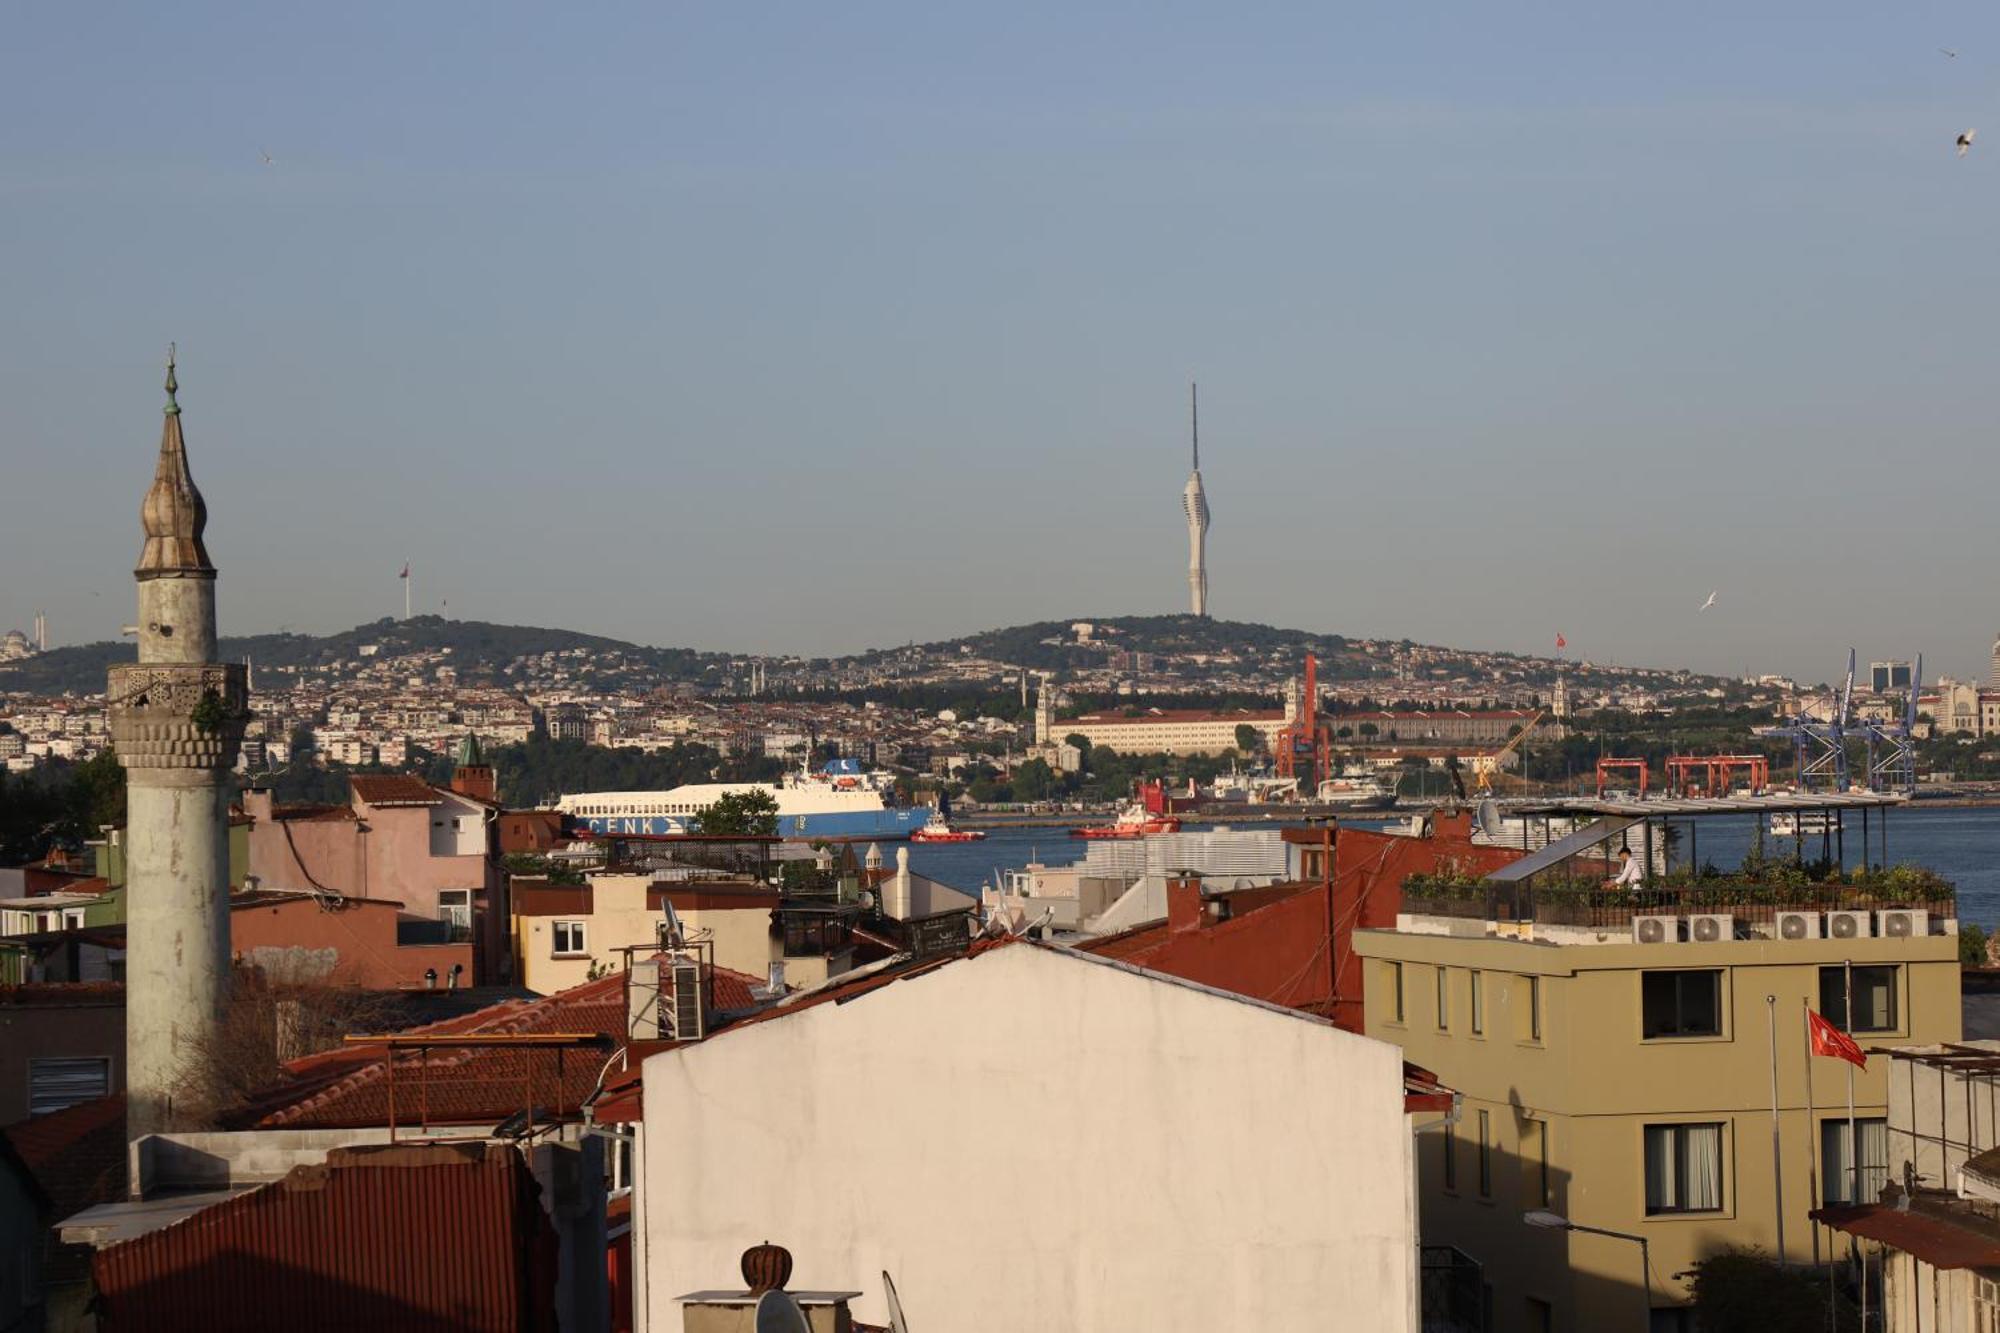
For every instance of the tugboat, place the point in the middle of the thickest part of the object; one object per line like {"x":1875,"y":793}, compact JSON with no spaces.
{"x":1134,"y":822}
{"x":938,"y":830}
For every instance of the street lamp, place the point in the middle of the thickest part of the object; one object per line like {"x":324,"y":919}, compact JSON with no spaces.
{"x":1549,"y":1221}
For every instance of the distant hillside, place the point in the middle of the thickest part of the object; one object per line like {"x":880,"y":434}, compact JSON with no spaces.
{"x":1171,"y":636}
{"x":478,"y":649}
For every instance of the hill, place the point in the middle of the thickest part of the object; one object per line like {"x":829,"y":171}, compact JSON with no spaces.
{"x":478,"y":649}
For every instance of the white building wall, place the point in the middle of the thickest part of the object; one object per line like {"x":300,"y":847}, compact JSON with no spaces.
{"x":1123,"y":1152}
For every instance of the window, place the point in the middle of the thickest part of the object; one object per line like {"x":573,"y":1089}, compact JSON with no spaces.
{"x":1451,"y":1157}
{"x":1681,"y":1004}
{"x":72,"y":918}
{"x":1874,"y":998}
{"x":1485,"y":1156}
{"x":1396,"y":991}
{"x":1541,"y":1316}
{"x":57,"y":1082}
{"x":1531,"y":1009}
{"x":455,"y":909}
{"x":1444,"y":1000}
{"x":1478,"y":1012}
{"x":568,"y":938}
{"x":1836,"y":1165}
{"x":1535,"y":1165}
{"x":1683,"y":1168}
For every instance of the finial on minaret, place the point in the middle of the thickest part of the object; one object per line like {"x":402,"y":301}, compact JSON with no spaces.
{"x":174,"y":513}
{"x":1195,"y":423}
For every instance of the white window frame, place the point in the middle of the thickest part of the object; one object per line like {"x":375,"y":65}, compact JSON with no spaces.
{"x":557,"y":929}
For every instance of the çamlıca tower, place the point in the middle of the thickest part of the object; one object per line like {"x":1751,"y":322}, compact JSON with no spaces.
{"x":1195,"y":502}
{"x":176,"y":719}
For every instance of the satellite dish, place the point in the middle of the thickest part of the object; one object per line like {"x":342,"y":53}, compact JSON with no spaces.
{"x":1029,"y":927}
{"x":777,"y":1312}
{"x":996,"y":927}
{"x":1489,"y":817}
{"x":897,"y":1324}
{"x":867,"y":900}
{"x":676,"y":937}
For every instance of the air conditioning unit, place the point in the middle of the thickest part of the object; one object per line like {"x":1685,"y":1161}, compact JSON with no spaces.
{"x":1799,"y":926}
{"x":642,"y":1000}
{"x":1656,"y":930}
{"x":1902,"y":923}
{"x":689,"y":1013}
{"x":1711,"y":927}
{"x":1849,"y":925}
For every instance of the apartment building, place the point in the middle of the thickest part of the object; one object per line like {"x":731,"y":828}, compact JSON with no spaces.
{"x":1616,"y":1071}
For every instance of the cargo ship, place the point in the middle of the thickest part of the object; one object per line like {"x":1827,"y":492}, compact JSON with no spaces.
{"x":841,"y":800}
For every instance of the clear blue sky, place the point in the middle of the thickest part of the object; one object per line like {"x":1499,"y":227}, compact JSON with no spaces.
{"x":810,"y":327}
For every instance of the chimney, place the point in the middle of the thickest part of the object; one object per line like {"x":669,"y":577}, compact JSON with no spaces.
{"x":896,"y":889}
{"x":257,"y":804}
{"x":1184,"y":910}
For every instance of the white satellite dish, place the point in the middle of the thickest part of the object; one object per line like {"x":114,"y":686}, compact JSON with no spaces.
{"x":867,"y":900}
{"x":897,"y":1324}
{"x":1029,"y":927}
{"x":777,"y":1312}
{"x":676,"y":937}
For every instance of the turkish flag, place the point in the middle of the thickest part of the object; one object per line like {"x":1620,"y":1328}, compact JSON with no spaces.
{"x":1830,"y":1040}
{"x":1561,"y":642}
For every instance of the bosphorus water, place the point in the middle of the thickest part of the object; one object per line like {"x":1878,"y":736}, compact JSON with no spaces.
{"x":1962,"y":844}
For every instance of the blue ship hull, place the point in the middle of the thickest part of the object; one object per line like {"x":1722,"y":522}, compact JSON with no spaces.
{"x":887,"y":824}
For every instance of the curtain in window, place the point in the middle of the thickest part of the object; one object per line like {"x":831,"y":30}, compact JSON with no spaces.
{"x":1703,"y":1144}
{"x":1834,"y":1168}
{"x":1874,"y":1156}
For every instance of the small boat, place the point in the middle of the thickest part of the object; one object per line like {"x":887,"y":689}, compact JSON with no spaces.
{"x":1791,"y":824}
{"x":937,"y":830}
{"x":1134,"y":822}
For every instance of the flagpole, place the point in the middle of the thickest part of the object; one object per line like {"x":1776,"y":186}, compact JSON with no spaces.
{"x":1812,"y":1131}
{"x":1853,"y":1144}
{"x":406,"y":590}
{"x":1777,"y":1159}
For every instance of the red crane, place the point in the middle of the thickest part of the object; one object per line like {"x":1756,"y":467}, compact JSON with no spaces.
{"x":1304,"y":738}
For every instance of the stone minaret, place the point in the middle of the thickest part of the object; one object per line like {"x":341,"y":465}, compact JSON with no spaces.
{"x":177,"y":717}
{"x":1195,"y":502}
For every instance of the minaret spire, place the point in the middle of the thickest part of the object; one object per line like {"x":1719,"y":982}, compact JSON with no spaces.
{"x":174,"y":514}
{"x":1194,"y":503}
{"x":1194,"y":417}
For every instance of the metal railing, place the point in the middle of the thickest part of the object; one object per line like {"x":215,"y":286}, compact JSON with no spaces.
{"x":1756,"y":904}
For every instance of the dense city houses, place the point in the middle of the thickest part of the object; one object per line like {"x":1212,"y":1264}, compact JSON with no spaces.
{"x":415,"y":1054}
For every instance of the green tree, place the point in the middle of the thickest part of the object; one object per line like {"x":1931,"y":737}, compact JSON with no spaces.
{"x":1369,"y":730}
{"x":1743,"y":1291}
{"x":1971,"y":944}
{"x":740,"y":814}
{"x":1082,"y":744}
{"x":1033,"y":780}
{"x":1248,"y":738}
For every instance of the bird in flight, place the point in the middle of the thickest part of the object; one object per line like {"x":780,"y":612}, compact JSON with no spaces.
{"x":1965,"y":142}
{"x":1710,"y":602}
{"x":1947,"y":54}
{"x":267,"y":158}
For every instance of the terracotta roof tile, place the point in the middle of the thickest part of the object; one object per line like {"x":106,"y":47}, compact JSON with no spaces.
{"x":349,"y":1086}
{"x":393,"y":789}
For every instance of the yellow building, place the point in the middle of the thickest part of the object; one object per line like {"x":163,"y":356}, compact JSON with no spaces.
{"x":1627,"y":1086}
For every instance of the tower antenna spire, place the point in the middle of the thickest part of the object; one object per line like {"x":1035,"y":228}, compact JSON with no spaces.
{"x":1194,"y":420}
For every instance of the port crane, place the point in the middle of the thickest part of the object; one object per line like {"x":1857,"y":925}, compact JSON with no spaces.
{"x":1303,"y":738}
{"x":1889,"y":747}
{"x":1488,"y":765}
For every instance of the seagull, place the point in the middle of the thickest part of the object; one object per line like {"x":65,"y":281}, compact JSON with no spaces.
{"x":1965,"y":142}
{"x":1710,"y":602}
{"x":1947,"y":54}
{"x":267,"y":158}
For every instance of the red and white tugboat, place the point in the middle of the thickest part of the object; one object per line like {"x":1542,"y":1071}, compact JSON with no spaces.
{"x":939,"y":830}
{"x":1134,"y":822}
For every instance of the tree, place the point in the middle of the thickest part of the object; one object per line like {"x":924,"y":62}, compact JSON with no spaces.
{"x":740,"y":814}
{"x":1369,"y":730}
{"x":1082,"y":744}
{"x":1742,"y":1291}
{"x":1033,"y":780}
{"x":1248,"y":738}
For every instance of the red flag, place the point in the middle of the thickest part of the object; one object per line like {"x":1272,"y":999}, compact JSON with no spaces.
{"x":406,"y":571}
{"x":1827,"y":1039}
{"x":1561,"y":642}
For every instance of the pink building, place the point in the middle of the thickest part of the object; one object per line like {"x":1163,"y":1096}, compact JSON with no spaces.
{"x":432,"y":849}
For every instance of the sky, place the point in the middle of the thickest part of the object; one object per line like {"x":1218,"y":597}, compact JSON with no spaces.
{"x":811,"y":328}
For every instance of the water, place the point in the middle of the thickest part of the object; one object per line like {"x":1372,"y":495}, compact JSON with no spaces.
{"x":1963,"y":845}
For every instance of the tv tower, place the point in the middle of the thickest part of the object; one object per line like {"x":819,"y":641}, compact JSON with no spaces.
{"x":1195,"y":502}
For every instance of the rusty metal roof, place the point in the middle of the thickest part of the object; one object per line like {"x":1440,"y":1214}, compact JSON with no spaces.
{"x":1936,"y":1232}
{"x":429,"y":1237}
{"x":394,"y":789}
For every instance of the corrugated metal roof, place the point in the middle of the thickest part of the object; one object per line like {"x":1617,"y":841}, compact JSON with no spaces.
{"x":394,"y":789}
{"x":434,"y":1237}
{"x":1960,"y":1240}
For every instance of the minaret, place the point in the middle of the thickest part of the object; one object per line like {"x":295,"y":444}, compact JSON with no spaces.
{"x":176,"y":718}
{"x":1196,"y":505}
